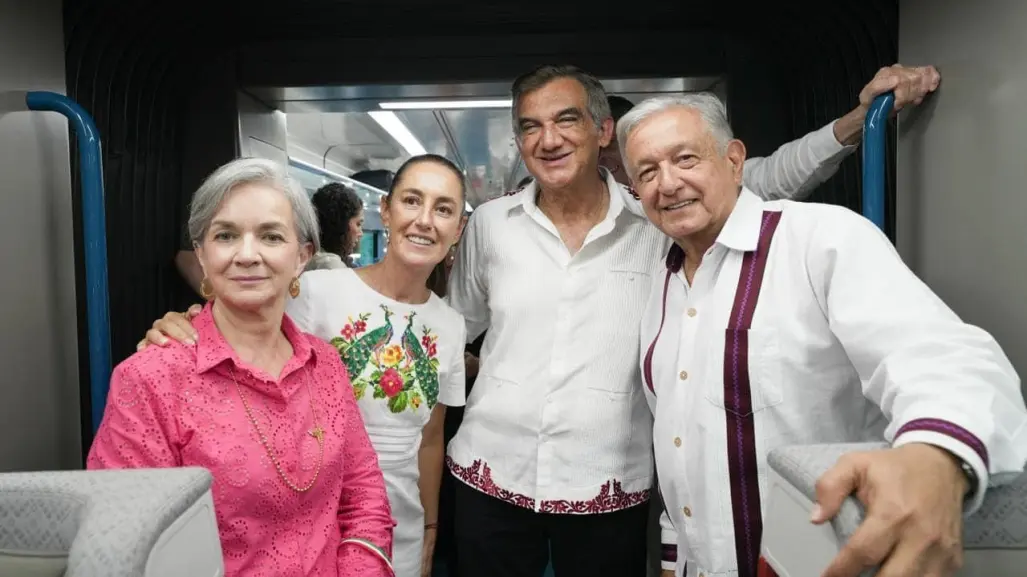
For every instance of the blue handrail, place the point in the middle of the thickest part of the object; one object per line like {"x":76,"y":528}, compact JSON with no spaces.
{"x":875,"y":132}
{"x":94,"y":231}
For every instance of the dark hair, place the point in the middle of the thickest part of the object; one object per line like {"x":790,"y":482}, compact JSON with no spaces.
{"x":525,"y":182}
{"x":619,"y":106}
{"x":437,"y":279}
{"x":336,"y":204}
{"x":434,"y":159}
{"x":598,"y":107}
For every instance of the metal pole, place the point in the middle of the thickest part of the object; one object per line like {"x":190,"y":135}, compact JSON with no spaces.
{"x":94,"y":231}
{"x":875,"y":132}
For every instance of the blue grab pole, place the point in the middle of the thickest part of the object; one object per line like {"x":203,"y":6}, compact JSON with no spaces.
{"x":875,"y":132}
{"x":94,"y":231}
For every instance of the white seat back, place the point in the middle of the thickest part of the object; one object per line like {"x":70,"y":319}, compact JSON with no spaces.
{"x":994,"y":538}
{"x":139,"y":522}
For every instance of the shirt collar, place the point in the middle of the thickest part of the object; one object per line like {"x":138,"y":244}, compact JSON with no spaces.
{"x":741,"y":232}
{"x":529,"y":194}
{"x":616,"y":200}
{"x":527,"y":198}
{"x":212,"y":349}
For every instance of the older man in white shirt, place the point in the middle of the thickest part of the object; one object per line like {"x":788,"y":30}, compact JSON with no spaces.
{"x":780,"y":323}
{"x":555,"y":448}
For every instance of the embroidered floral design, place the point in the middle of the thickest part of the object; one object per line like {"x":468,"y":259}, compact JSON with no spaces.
{"x":391,"y":382}
{"x":611,"y":497}
{"x":406,"y":375}
{"x":392,"y":355}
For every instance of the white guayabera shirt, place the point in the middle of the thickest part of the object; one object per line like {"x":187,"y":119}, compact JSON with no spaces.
{"x":816,"y":334}
{"x":557,"y":420}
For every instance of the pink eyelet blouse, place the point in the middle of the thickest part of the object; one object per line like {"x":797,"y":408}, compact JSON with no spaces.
{"x":180,"y":406}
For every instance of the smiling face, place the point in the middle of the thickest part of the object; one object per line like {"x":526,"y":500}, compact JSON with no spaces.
{"x":558,"y":139}
{"x":687,"y":182}
{"x":424,"y":214}
{"x":251,"y":251}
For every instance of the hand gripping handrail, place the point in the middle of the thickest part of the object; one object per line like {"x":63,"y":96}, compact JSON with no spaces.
{"x":994,"y":537}
{"x":875,"y":133}
{"x":94,"y":232}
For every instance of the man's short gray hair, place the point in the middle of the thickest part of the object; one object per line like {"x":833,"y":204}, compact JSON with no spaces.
{"x":708,"y":105}
{"x":208,"y":198}
{"x":598,"y":105}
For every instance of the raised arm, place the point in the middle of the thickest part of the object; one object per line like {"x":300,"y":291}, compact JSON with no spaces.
{"x":797,"y":168}
{"x":938,"y":380}
{"x":137,"y":432}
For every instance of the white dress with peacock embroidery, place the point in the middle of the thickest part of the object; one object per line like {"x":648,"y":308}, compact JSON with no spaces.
{"x":402,"y":360}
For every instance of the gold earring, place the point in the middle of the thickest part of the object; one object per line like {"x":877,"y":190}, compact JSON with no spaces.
{"x":294,"y":287}
{"x":207,"y":289}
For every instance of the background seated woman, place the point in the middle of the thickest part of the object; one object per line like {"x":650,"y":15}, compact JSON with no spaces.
{"x":340,"y":215}
{"x":266,"y":408}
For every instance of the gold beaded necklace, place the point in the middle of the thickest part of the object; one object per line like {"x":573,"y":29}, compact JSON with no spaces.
{"x":317,"y":432}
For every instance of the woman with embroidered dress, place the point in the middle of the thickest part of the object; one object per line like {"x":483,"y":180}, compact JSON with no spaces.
{"x":402,"y":344}
{"x":265,"y":407}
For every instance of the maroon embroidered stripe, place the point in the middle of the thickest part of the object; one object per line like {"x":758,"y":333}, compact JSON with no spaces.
{"x":675,"y":258}
{"x":647,"y":364}
{"x":741,"y":435}
{"x":669,"y":553}
{"x":949,"y":430}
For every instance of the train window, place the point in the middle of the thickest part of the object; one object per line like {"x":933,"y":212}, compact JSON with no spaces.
{"x":344,"y":130}
{"x":360,"y":135}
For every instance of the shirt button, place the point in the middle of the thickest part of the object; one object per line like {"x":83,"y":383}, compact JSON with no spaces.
{"x":687,"y":512}
{"x":683,"y":375}
{"x":677,"y":441}
{"x":692,"y":312}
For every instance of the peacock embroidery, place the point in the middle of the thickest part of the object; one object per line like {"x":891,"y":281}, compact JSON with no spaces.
{"x":405,"y":375}
{"x":426,"y":367}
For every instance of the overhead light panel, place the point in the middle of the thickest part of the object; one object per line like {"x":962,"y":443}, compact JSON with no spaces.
{"x":329,"y":176}
{"x":399,"y":131}
{"x":445,"y":104}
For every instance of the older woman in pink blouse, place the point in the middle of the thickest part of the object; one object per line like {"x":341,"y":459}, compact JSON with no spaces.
{"x":266,"y":408}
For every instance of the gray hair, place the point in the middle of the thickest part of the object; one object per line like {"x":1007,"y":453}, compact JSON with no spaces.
{"x":598,"y":105}
{"x":708,"y":105}
{"x":208,"y":198}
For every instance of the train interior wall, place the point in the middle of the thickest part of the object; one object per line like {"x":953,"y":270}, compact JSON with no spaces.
{"x":961,"y":205}
{"x":39,"y":396}
{"x":263,"y":131}
{"x":163,"y":84}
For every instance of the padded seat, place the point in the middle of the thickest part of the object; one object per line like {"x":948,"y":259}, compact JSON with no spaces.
{"x":995,"y":537}
{"x":125,"y":523}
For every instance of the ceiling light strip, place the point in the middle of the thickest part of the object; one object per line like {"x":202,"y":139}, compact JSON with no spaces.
{"x":399,"y":131}
{"x":445,"y":104}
